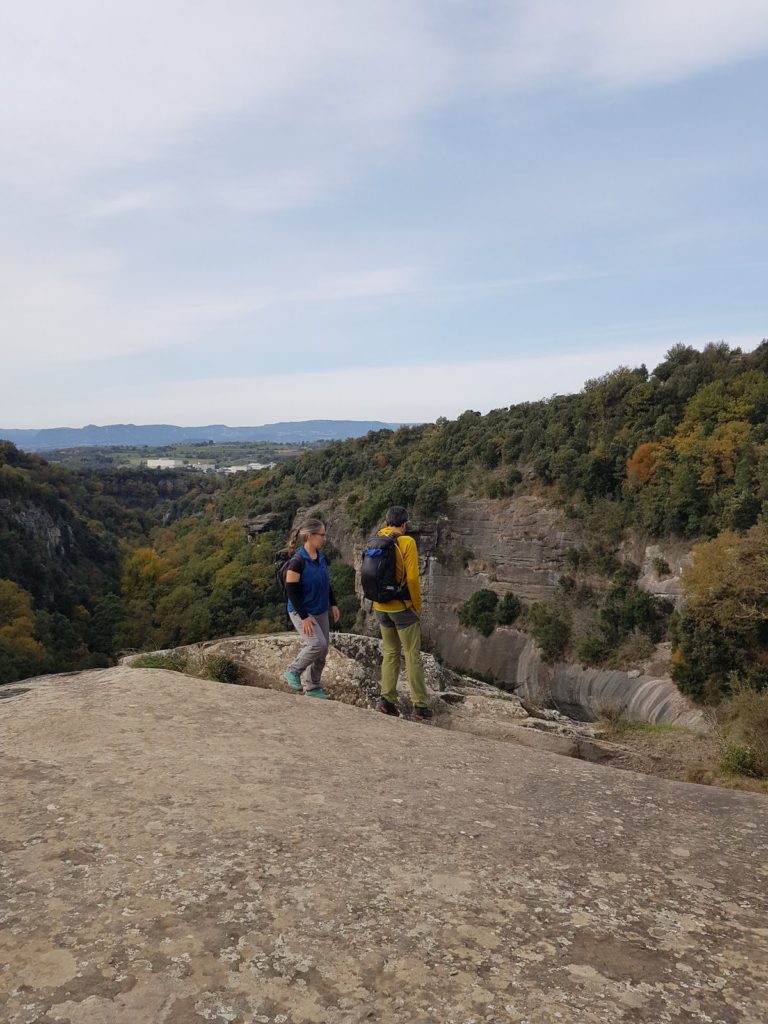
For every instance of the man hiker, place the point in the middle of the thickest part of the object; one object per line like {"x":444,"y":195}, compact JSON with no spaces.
{"x":399,"y":621}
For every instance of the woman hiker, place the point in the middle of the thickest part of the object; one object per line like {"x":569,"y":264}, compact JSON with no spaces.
{"x":400,"y":624}
{"x":310,"y":598}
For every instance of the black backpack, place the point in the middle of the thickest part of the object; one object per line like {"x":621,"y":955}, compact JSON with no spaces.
{"x":378,"y":571}
{"x":282,"y":560}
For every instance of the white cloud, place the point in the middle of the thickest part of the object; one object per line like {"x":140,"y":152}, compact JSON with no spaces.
{"x":71,"y":312}
{"x":626,"y":42}
{"x":127,"y":202}
{"x":89,"y":86}
{"x":103,"y":105}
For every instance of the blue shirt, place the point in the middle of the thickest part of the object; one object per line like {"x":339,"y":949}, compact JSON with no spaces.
{"x":315,"y":582}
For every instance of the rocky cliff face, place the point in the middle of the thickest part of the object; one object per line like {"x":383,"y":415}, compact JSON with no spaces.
{"x":518,"y":545}
{"x":38,"y":526}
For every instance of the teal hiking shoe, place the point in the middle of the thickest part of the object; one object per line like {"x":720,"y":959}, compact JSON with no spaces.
{"x":293,"y":679}
{"x":318,"y":692}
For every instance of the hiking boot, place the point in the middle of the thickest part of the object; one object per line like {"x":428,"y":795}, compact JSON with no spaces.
{"x":316,"y":691}
{"x":387,"y":707}
{"x":422,"y":714}
{"x":293,"y":679}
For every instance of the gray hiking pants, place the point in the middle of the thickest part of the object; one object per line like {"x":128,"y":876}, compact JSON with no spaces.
{"x":314,"y":649}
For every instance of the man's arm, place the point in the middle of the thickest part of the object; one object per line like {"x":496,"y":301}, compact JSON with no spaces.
{"x":411,"y":562}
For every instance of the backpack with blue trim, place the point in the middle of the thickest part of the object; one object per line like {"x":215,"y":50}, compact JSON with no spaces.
{"x":378,"y":571}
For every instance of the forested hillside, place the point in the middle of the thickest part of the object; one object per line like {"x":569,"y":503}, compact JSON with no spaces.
{"x":96,"y":563}
{"x":60,"y":565}
{"x":680,"y":450}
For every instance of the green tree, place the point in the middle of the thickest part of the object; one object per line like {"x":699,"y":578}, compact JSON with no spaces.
{"x":479,"y":612}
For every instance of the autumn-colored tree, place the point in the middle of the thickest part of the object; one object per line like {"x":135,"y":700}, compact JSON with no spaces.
{"x":643,"y":462}
{"x":723,"y":629}
{"x":21,"y":654}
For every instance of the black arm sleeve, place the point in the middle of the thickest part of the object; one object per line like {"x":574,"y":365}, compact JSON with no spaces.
{"x":293,"y":590}
{"x":332,"y":597}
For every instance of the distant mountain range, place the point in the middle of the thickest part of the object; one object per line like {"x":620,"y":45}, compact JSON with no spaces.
{"x":157,"y":434}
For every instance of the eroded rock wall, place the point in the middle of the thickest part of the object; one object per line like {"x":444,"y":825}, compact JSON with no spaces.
{"x":518,"y":545}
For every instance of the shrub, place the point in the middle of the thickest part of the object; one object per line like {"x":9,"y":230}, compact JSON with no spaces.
{"x":508,"y":610}
{"x":550,"y":629}
{"x":636,"y":647}
{"x":174,"y":661}
{"x":572,"y":558}
{"x":483,"y":611}
{"x":591,"y":649}
{"x":613,"y":720}
{"x":479,"y":612}
{"x":737,"y":759}
{"x":222,"y":668}
{"x":743,"y":727}
{"x":661,"y":567}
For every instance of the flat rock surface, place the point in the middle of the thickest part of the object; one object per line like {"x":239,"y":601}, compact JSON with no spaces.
{"x":179,"y":851}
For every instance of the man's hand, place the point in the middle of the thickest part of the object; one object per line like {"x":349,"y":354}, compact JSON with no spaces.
{"x":308,"y":627}
{"x":335,"y":615}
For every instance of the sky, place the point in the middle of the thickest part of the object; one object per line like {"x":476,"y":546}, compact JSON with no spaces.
{"x":239,"y":212}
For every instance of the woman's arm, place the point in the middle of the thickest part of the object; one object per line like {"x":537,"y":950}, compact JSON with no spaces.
{"x":295,"y":596}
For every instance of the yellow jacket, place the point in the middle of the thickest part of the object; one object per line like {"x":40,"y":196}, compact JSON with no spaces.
{"x":408,"y":567}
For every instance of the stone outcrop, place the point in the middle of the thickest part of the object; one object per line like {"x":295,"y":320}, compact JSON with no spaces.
{"x":257,"y":525}
{"x":518,"y":545}
{"x":176,"y":851}
{"x":352,"y":676}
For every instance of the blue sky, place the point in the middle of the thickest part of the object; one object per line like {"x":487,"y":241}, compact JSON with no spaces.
{"x":238,"y":212}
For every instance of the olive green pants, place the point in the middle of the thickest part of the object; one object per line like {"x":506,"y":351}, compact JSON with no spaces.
{"x":401,"y":633}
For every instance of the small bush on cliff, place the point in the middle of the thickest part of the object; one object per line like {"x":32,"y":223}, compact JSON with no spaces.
{"x":592,"y":649}
{"x":551,"y":630}
{"x":484,"y":611}
{"x":508,"y":610}
{"x":222,"y":669}
{"x":743,"y":729}
{"x":479,"y":612}
{"x":626,"y":623}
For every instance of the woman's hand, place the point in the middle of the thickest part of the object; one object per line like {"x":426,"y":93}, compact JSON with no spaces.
{"x":335,"y":615}
{"x":308,"y":626}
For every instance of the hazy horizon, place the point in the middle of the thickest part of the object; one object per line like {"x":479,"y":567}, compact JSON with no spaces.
{"x":511,"y":382}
